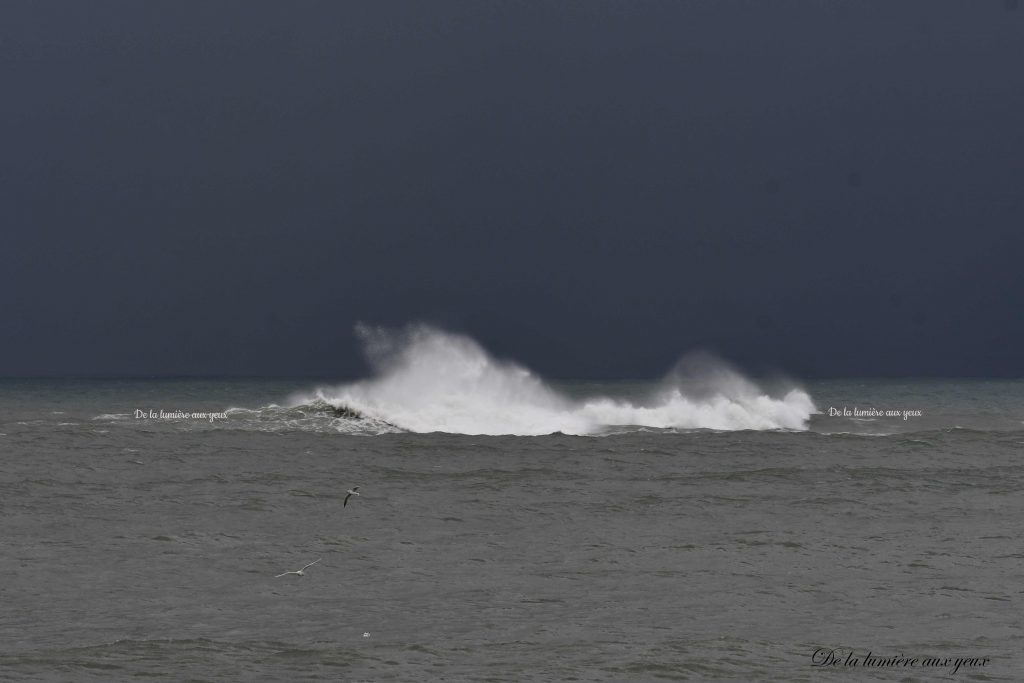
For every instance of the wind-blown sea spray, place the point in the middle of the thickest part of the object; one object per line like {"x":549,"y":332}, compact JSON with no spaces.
{"x":703,"y":391}
{"x":429,"y":380}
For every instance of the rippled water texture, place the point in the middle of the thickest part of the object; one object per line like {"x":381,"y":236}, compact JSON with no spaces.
{"x":137,"y":549}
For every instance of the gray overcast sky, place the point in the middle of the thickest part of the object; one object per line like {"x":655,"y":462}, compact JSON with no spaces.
{"x":590,"y":188}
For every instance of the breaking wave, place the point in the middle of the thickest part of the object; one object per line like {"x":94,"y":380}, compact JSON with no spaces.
{"x":428,"y":380}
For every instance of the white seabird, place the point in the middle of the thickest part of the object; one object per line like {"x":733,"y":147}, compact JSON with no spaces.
{"x":354,"y":491}
{"x":302,"y":571}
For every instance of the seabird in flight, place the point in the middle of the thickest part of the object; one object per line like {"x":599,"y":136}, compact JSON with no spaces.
{"x":301,"y":572}
{"x":354,"y":491}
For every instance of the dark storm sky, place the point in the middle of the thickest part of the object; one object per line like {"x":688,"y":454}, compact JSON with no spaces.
{"x":828,"y":188}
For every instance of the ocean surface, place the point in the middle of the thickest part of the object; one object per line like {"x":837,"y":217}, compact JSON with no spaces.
{"x":643,"y":531}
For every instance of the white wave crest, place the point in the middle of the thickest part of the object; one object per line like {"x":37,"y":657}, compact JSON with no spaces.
{"x":428,"y":380}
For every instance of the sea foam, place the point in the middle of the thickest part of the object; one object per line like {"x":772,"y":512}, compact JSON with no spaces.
{"x":429,"y":380}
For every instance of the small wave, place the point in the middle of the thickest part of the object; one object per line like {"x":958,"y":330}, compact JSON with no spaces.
{"x":315,"y":416}
{"x":925,"y":436}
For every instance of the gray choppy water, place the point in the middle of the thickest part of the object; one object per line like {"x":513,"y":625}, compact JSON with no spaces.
{"x":134,"y":550}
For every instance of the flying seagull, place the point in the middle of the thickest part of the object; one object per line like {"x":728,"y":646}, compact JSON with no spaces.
{"x":302,"y":571}
{"x":354,"y":491}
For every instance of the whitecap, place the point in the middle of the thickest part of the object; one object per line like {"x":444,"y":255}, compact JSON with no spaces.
{"x":429,"y":380}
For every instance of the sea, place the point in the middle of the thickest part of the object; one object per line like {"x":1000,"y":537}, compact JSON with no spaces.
{"x":701,"y":526}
